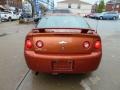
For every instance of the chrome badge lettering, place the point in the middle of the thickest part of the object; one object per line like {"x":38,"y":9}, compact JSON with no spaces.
{"x":62,"y":43}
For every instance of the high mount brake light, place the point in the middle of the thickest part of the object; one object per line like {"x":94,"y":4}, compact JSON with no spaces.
{"x":28,"y":44}
{"x":39,"y":44}
{"x":86,"y":44}
{"x":97,"y":45}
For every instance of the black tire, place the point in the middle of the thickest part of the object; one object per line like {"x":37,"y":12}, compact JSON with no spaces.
{"x":101,"y":18}
{"x":114,"y":18}
{"x":10,"y":19}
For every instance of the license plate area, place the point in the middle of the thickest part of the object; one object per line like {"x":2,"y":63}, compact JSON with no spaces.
{"x":62,"y":65}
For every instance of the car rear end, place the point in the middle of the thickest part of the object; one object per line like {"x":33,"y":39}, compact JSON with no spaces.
{"x":117,"y":16}
{"x":4,"y":16}
{"x":94,"y":15}
{"x":25,"y":18}
{"x":113,"y":15}
{"x":63,"y":50}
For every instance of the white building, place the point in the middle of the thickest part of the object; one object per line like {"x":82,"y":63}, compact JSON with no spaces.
{"x":75,"y":6}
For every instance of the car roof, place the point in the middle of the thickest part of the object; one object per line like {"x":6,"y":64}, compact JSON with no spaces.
{"x":110,"y":12}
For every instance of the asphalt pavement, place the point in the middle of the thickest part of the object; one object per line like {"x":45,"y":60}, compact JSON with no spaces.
{"x":15,"y":75}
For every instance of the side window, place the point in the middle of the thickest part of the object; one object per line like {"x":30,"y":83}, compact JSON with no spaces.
{"x":14,"y":13}
{"x":114,"y":13}
{"x":107,"y":13}
{"x":10,"y":13}
{"x":69,"y":5}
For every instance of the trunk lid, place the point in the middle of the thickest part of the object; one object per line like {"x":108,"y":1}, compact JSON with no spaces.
{"x":62,"y":43}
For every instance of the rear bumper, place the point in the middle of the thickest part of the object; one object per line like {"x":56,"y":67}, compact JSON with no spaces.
{"x":81,"y":63}
{"x":4,"y":19}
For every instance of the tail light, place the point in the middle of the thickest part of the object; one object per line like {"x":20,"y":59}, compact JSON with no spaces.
{"x":28,"y":44}
{"x":97,"y":45}
{"x":86,"y":44}
{"x":39,"y":44}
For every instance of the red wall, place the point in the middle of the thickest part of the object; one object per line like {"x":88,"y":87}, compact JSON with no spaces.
{"x":109,"y":7}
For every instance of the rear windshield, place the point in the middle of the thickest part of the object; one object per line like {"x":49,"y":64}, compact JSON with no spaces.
{"x":62,"y":22}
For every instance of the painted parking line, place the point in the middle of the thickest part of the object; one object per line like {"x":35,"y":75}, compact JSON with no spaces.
{"x":22,"y":80}
{"x":94,"y":80}
{"x":85,"y":85}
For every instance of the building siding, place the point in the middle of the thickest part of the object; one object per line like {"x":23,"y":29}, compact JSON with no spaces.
{"x":83,"y":10}
{"x":113,"y":7}
{"x":2,"y":2}
{"x":13,"y":3}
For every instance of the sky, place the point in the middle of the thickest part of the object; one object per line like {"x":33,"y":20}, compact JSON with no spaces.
{"x":89,"y":1}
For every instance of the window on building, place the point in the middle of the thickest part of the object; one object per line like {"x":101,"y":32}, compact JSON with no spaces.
{"x":69,"y":5}
{"x":78,"y":6}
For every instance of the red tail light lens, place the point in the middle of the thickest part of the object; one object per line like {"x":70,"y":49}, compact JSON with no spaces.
{"x":39,"y":44}
{"x":97,"y":45}
{"x":28,"y":44}
{"x":86,"y":44}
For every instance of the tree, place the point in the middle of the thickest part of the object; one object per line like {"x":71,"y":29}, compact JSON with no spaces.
{"x":42,"y":7}
{"x":101,"y":6}
{"x":32,"y":4}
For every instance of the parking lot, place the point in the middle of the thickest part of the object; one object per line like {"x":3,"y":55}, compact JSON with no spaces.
{"x":14,"y":74}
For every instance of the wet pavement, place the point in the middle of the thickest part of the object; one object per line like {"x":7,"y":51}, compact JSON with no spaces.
{"x":14,"y":74}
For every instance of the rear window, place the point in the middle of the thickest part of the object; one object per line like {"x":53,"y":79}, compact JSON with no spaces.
{"x":62,"y":22}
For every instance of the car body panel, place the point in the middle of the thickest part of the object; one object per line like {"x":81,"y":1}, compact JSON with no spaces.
{"x":62,"y":49}
{"x":9,"y":15}
{"x":81,"y":63}
{"x":119,"y":15}
{"x":59,"y":40}
{"x":108,"y":15}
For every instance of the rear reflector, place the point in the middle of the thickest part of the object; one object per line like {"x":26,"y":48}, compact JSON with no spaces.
{"x":86,"y":44}
{"x":97,"y":45}
{"x":39,"y":44}
{"x":28,"y":44}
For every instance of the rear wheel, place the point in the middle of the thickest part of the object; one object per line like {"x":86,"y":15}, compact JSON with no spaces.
{"x":101,"y":18}
{"x":114,"y":18}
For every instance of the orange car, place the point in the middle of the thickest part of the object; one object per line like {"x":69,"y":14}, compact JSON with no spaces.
{"x":63,"y":44}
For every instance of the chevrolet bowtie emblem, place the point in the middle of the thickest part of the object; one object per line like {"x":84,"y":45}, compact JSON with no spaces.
{"x":62,"y":42}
